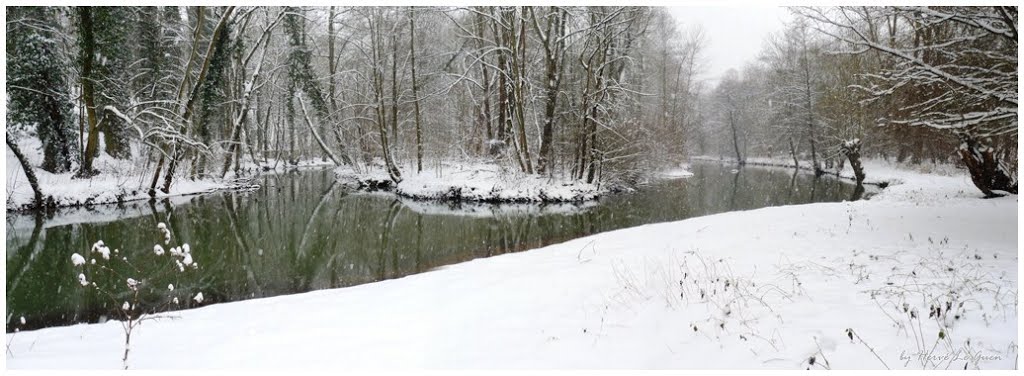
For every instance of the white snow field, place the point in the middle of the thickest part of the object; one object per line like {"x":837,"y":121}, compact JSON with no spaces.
{"x":922,"y":276}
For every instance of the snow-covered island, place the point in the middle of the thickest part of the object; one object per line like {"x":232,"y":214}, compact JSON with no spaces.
{"x":474,"y":182}
{"x":923,"y":275}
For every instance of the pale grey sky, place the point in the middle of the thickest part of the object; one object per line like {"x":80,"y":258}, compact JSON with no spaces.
{"x":734,"y":33}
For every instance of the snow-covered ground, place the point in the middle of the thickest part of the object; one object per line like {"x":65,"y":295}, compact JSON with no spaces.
{"x":477,"y":181}
{"x":119,"y":180}
{"x":877,"y":171}
{"x":923,"y":275}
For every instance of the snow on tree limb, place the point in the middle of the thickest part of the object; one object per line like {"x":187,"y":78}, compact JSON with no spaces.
{"x":969,"y":70}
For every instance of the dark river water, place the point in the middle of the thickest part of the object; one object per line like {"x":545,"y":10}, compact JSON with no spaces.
{"x":301,"y":231}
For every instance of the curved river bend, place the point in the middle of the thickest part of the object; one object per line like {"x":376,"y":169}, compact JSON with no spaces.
{"x":303,"y":232}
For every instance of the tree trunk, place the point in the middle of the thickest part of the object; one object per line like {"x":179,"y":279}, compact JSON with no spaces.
{"x":378,"y":86}
{"x":552,"y":53}
{"x":316,"y":135}
{"x":415,"y":93}
{"x":485,"y":112}
{"x":88,"y":91}
{"x":851,"y":149}
{"x":518,"y":69}
{"x":735,"y":139}
{"x":810,"y":116}
{"x":394,"y":88}
{"x":987,"y":173}
{"x":332,"y":67}
{"x":291,"y":132}
{"x":37,"y":201}
{"x":792,"y":152}
{"x":502,"y":73}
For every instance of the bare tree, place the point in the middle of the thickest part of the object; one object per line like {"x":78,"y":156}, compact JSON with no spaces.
{"x":552,"y":38}
{"x":960,"y":65}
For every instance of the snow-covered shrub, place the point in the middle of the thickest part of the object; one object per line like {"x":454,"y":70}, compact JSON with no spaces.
{"x":736,"y":304}
{"x":933,"y":300}
{"x":112,"y":274}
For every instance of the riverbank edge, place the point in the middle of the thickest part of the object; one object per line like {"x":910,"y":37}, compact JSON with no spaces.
{"x":616,"y":251}
{"x":804,"y":166}
{"x":121,"y":194}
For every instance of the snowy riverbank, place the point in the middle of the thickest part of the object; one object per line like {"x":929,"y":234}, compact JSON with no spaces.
{"x":877,"y":171}
{"x":477,"y":182}
{"x":120,"y":180}
{"x":923,"y":275}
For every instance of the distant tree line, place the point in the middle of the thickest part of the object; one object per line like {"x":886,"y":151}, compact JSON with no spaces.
{"x":909,"y":84}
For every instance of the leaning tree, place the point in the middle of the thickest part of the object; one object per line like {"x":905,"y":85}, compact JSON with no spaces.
{"x":952,"y":69}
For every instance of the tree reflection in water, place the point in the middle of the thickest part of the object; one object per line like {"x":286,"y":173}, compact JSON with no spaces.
{"x":302,"y":232}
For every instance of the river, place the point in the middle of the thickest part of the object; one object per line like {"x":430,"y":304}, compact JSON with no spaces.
{"x":302,"y":231}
